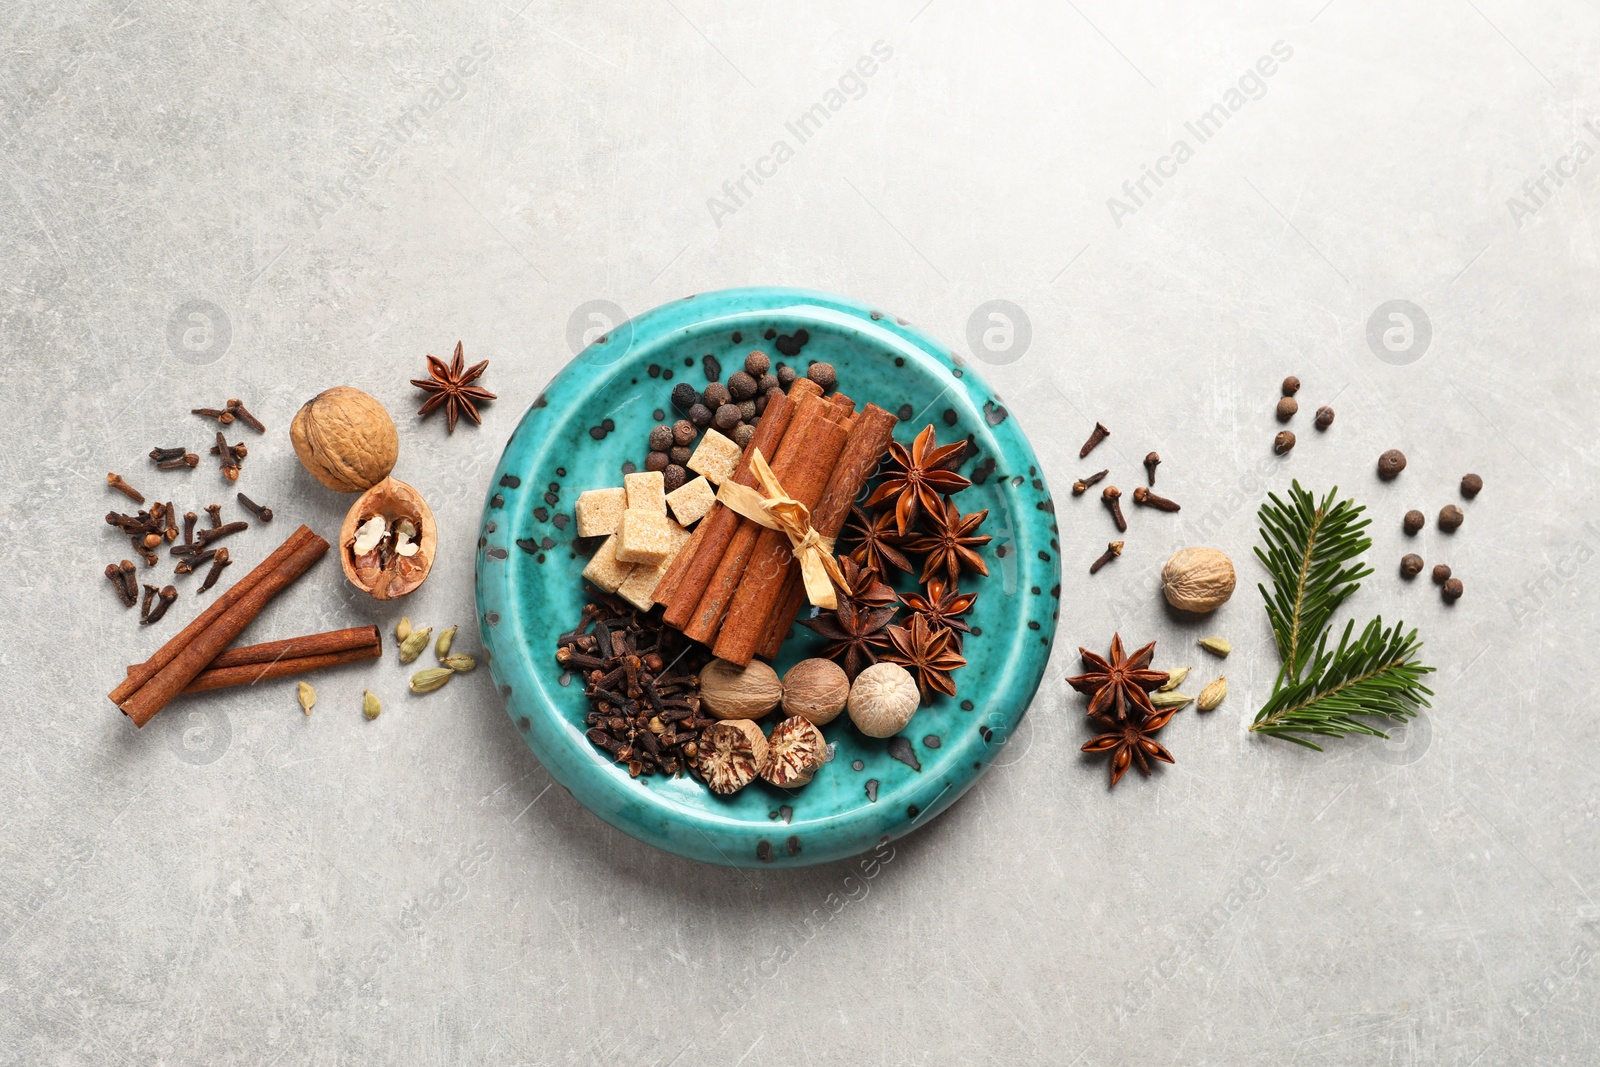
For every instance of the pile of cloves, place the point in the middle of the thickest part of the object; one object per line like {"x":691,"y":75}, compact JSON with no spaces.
{"x":1111,"y":496}
{"x":641,"y":678}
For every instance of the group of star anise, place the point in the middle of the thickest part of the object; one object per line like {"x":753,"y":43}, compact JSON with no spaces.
{"x":910,"y":513}
{"x":1119,"y":704}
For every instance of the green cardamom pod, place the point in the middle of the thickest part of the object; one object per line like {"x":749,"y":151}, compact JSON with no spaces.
{"x":414,"y":643}
{"x":1176,"y":701}
{"x":461,"y":663}
{"x":307,"y":695}
{"x":1213,"y":694}
{"x":1217,"y":646}
{"x":442,"y":648}
{"x":402,"y":629}
{"x":427,"y":681}
{"x":369,"y":704}
{"x":1174,"y":679}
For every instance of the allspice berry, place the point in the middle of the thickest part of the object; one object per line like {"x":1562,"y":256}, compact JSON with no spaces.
{"x":815,"y":690}
{"x":1287,"y":407}
{"x":1450,"y":518}
{"x":1390,"y":464}
{"x":1282,"y":443}
{"x":741,"y":385}
{"x":757,"y":363}
{"x":823,"y":374}
{"x":684,"y":433}
{"x":673,"y":476}
{"x":717,"y":395}
{"x":656,"y":461}
{"x":1413,"y":522}
{"x":1441,"y":573}
{"x":1471,"y":485}
{"x":727,"y":417}
{"x":1410,"y":566}
{"x":1452,"y":590}
{"x":1324,"y":417}
{"x":699,"y":416}
{"x":1291,"y":385}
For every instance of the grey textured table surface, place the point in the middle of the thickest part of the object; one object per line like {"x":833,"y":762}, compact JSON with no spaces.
{"x":265,"y":199}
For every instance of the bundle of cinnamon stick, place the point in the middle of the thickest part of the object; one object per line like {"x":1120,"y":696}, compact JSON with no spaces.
{"x":736,"y":585}
{"x":198,"y":658}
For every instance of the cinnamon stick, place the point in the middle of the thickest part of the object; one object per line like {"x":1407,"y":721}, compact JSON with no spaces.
{"x":141,"y":673}
{"x":870,"y":435}
{"x":805,"y":456}
{"x":356,"y":637}
{"x":187,"y":664}
{"x":686,"y":579}
{"x":805,"y":479}
{"x":249,"y":673}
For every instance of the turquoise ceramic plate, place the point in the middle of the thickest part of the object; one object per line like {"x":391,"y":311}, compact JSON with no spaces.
{"x":594,"y":419}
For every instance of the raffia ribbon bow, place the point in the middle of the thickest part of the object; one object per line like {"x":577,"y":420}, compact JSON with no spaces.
{"x":777,"y":510}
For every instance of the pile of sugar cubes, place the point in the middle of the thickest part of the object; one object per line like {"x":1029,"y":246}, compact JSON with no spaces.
{"x":641,"y":541}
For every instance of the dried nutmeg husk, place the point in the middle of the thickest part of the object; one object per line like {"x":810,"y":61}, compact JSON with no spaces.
{"x":388,"y":540}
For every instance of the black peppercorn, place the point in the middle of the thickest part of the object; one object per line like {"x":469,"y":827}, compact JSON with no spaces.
{"x":741,"y":385}
{"x":683,"y":432}
{"x":684,"y":397}
{"x":700,"y":416}
{"x":1410,"y":566}
{"x":757,"y":363}
{"x":1324,"y":417}
{"x":673,"y":477}
{"x":1450,"y":518}
{"x":786,"y":376}
{"x":727,"y":417}
{"x":717,"y":395}
{"x":656,"y":461}
{"x":660,"y":438}
{"x":678,"y":454}
{"x":1413,"y":522}
{"x":1451,"y":590}
{"x":1471,"y":485}
{"x":823,"y":374}
{"x":1390,"y":464}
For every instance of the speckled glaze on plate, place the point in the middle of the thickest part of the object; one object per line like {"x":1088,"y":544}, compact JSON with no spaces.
{"x":595,"y":417}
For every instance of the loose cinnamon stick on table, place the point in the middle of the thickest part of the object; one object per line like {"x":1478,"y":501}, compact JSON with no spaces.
{"x":685,"y":582}
{"x":805,"y":455}
{"x":141,"y":673}
{"x":191,"y":660}
{"x":279,"y":659}
{"x":870,"y":435}
{"x":804,"y":478}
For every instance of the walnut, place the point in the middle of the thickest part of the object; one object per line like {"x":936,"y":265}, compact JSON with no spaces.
{"x":1198,"y":579}
{"x":388,"y":540}
{"x":345,"y":439}
{"x":883,"y":699}
{"x":795,"y":751}
{"x":730,"y":691}
{"x":815,"y":690}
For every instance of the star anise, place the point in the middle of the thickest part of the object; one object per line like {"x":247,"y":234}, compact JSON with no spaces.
{"x":1132,"y":740}
{"x":952,"y":542}
{"x":1124,"y":681}
{"x":929,"y":654}
{"x":452,"y":387}
{"x":856,"y":633}
{"x":864,"y":586}
{"x":875,"y":541}
{"x":918,"y":476}
{"x":942,"y":606}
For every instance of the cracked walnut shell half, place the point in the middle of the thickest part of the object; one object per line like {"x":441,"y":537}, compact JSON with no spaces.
{"x":388,"y":540}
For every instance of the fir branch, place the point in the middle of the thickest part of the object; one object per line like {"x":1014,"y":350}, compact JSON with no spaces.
{"x":1377,"y":675}
{"x":1312,"y":553}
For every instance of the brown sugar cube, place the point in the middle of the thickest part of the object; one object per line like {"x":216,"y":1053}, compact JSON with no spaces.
{"x":604,"y":569}
{"x":716,"y":457}
{"x":690,"y":503}
{"x":645,"y":537}
{"x":640,"y":587}
{"x":646,"y":491}
{"x":599,"y":511}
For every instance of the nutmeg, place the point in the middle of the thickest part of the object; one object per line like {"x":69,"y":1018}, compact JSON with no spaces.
{"x":815,"y":690}
{"x":883,"y":699}
{"x":730,"y":691}
{"x":345,"y":439}
{"x":1198,"y":579}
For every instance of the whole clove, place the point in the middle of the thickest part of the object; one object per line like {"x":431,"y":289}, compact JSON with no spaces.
{"x":150,"y":558}
{"x":161,"y":455}
{"x":189,"y":519}
{"x":1151,"y":462}
{"x":219,"y":561}
{"x":261,"y":513}
{"x":117,"y":482}
{"x":172,"y":522}
{"x":230,"y":462}
{"x":222,"y":416}
{"x":215,"y":511}
{"x":164,"y":601}
{"x":1083,"y":485}
{"x":237,"y":409}
{"x":1100,"y":433}
{"x":190,"y":564}
{"x":1111,"y":496}
{"x":187,"y":460}
{"x":130,"y":580}
{"x":1113,"y":550}
{"x":1145,"y":498}
{"x":216,"y":533}
{"x":150,"y":592}
{"x":114,"y":576}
